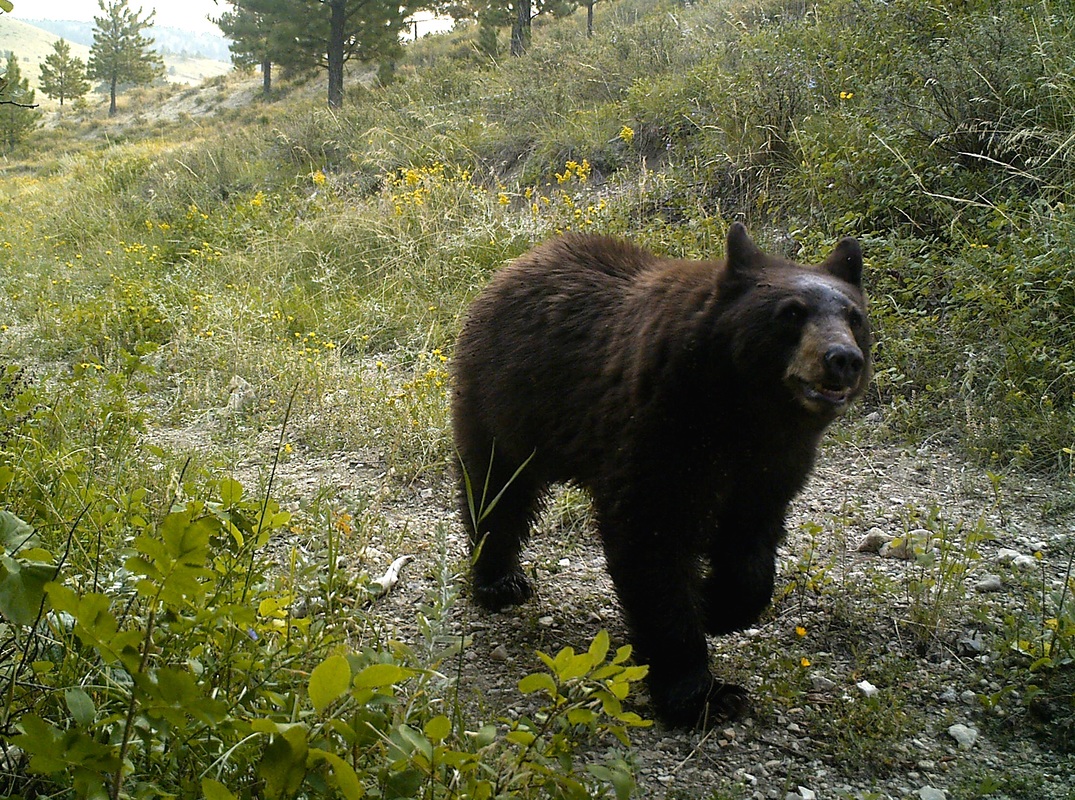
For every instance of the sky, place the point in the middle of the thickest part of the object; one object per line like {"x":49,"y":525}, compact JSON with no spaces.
{"x":187,"y":14}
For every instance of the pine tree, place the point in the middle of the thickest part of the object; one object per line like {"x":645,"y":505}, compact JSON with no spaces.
{"x":328,"y":33}
{"x":63,"y":76}
{"x":259,"y":39}
{"x":17,"y":113}
{"x":120,"y":53}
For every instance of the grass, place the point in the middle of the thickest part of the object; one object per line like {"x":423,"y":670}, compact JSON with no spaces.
{"x":321,"y":261}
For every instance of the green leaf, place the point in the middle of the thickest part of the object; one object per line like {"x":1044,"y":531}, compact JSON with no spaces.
{"x":523,"y":738}
{"x":438,"y":728}
{"x":537,"y":681}
{"x":6,"y":5}
{"x":96,"y":625}
{"x":599,"y":647}
{"x":231,"y":492}
{"x":215,"y":790}
{"x":22,"y":589}
{"x":283,"y":764}
{"x":81,"y":706}
{"x":346,"y":778}
{"x":329,"y":681}
{"x":14,"y":533}
{"x":376,"y":676}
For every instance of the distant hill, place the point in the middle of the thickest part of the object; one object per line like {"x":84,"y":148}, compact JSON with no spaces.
{"x":31,"y":44}
{"x":191,"y":44}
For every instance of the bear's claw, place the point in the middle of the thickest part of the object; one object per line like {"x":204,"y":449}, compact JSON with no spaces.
{"x":703,"y":707}
{"x":508,"y":590}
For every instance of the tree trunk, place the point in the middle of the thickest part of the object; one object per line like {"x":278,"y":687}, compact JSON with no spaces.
{"x":266,"y":76}
{"x":337,"y":25}
{"x":520,"y":29}
{"x":589,"y":19}
{"x":112,"y":96}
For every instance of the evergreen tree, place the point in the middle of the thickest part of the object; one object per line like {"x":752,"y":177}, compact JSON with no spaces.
{"x":256,"y":40}
{"x":18,"y":115}
{"x":121,"y":53}
{"x":327,"y":34}
{"x":63,"y":76}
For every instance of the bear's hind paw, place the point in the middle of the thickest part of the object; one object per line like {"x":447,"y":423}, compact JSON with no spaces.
{"x":508,"y":590}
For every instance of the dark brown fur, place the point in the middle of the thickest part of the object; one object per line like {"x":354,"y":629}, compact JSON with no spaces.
{"x":687,"y":397}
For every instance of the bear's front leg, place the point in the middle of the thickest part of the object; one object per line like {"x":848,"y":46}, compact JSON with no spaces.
{"x":658,"y":588}
{"x":742,"y":570}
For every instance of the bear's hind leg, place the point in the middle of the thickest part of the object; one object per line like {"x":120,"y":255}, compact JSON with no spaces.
{"x":497,"y":515}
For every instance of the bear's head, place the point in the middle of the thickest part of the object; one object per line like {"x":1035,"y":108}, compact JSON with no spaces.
{"x":800,"y":330}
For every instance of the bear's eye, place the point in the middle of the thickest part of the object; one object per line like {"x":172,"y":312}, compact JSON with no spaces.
{"x":855,"y":318}
{"x":793,"y":312}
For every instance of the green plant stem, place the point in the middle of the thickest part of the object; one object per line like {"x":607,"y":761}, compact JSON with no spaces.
{"x":132,"y":706}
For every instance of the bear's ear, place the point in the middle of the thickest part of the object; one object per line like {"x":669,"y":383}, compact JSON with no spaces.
{"x":741,"y":253}
{"x":845,"y":262}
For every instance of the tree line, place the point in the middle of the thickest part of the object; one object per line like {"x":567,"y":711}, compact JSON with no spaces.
{"x":299,"y":36}
{"x":121,"y":55}
{"x":305,"y":35}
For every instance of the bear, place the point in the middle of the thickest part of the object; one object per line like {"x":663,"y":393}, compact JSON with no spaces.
{"x":686,"y":397}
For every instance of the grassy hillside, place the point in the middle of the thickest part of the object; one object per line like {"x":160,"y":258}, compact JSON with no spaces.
{"x":215,"y":288}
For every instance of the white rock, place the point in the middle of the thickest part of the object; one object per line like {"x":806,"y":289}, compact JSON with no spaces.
{"x":965,"y":736}
{"x":989,"y":583}
{"x":545,"y":622}
{"x":1006,"y":555}
{"x":1024,"y":563}
{"x":900,"y":547}
{"x":948,"y":695}
{"x":866,"y":688}
{"x":873,"y":541}
{"x":929,"y":793}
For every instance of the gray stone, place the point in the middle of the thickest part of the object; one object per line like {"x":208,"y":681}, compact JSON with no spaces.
{"x":964,"y":735}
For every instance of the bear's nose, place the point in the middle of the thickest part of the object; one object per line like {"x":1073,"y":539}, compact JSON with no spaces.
{"x":844,"y":363}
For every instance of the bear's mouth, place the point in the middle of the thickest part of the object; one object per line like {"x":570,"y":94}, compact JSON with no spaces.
{"x":824,"y":396}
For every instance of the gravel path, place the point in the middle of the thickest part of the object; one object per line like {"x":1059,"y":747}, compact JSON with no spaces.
{"x":883,"y":670}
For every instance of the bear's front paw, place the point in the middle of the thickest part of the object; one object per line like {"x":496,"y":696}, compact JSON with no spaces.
{"x":699,"y":703}
{"x":508,"y":590}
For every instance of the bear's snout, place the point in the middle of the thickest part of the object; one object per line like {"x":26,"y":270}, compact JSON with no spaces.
{"x":844,"y":364}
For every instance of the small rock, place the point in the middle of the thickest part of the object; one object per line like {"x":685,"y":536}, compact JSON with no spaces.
{"x":968,"y":697}
{"x":948,"y":695}
{"x":1006,"y":555}
{"x":866,"y":688}
{"x":802,"y":794}
{"x":500,"y":653}
{"x":564,"y":562}
{"x":929,"y":793}
{"x":545,"y":622}
{"x":989,"y":583}
{"x":873,"y":541}
{"x":972,"y":644}
{"x":965,"y":736}
{"x":822,"y":684}
{"x":1024,"y":563}
{"x":900,"y":547}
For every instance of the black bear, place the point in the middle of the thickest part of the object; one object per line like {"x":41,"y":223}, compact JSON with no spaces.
{"x":687,"y":397}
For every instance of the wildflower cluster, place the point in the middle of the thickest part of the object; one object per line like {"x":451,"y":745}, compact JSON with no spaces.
{"x":573,"y":170}
{"x":412,"y":186}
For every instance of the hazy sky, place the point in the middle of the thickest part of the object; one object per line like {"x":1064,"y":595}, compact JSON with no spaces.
{"x":188,"y":14}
